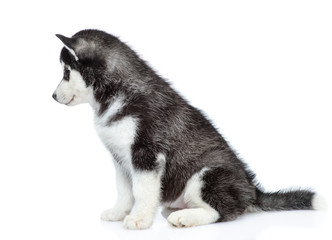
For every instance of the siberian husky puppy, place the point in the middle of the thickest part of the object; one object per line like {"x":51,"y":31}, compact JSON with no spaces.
{"x":165,"y":151}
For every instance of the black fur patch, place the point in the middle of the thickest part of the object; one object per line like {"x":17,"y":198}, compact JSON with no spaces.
{"x":228,"y":191}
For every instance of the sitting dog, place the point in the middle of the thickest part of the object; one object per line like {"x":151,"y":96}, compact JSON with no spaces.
{"x":165,"y":151}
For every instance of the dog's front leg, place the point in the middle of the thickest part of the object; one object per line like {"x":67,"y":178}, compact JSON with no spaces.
{"x":146,"y":190}
{"x":125,"y":199}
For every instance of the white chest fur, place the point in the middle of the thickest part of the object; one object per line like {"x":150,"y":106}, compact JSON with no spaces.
{"x":117,"y":136}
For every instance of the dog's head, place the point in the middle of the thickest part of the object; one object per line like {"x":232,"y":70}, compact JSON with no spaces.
{"x":72,"y":89}
{"x":83,"y":58}
{"x":96,"y":67}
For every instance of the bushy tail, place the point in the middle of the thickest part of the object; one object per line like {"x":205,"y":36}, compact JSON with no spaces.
{"x":285,"y":200}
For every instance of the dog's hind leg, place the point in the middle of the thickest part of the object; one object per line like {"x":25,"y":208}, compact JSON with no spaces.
{"x":212,"y":196}
{"x":200,"y":212}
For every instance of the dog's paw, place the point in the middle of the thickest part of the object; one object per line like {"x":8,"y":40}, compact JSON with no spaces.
{"x":137,"y":222}
{"x":113,"y":215}
{"x":178,"y":219}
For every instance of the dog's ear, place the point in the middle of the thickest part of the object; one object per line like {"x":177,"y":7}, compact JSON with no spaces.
{"x":70,"y":44}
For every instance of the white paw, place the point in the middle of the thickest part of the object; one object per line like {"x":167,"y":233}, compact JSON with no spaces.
{"x":137,"y":222}
{"x":177,"y":219}
{"x":113,"y":215}
{"x":192,"y":217}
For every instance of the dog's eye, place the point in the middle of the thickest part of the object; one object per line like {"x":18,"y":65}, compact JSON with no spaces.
{"x":66,"y":74}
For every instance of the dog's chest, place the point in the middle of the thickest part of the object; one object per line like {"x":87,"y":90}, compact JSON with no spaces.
{"x":118,"y":137}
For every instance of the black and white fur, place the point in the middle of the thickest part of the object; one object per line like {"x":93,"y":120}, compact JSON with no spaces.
{"x":165,"y":151}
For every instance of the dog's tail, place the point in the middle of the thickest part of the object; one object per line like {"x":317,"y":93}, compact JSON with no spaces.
{"x":288,"y":200}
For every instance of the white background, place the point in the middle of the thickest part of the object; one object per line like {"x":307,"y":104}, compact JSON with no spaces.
{"x":261,"y":70}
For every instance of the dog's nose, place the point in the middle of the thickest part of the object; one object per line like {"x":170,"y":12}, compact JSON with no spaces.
{"x":54,"y":96}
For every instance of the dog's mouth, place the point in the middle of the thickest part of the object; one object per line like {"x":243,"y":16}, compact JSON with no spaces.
{"x":71,"y":100}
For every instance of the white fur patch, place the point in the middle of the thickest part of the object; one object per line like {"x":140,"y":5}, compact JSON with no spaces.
{"x":199,"y":212}
{"x":125,"y":198}
{"x":72,"y":52}
{"x":192,"y":186}
{"x":119,"y":137}
{"x":62,"y":65}
{"x":192,"y":192}
{"x":319,"y":203}
{"x":112,"y":110}
{"x":74,"y":91}
{"x":146,"y":189}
